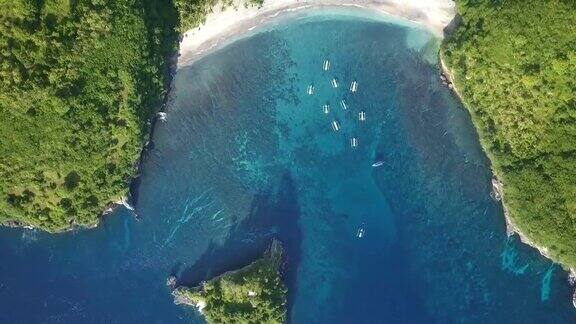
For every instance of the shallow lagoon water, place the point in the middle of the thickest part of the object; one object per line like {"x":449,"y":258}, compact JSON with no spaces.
{"x":247,"y":155}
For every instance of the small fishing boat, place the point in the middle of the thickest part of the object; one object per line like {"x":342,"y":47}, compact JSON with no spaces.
{"x":335,"y":126}
{"x":377,"y":164}
{"x":326,"y":108}
{"x":360,"y":233}
{"x":354,"y":142}
{"x":310,"y":90}
{"x":362,"y":116}
{"x":343,"y":104}
{"x":162,"y":116}
{"x":334,"y":83}
{"x":326,"y":65}
{"x":354,"y":86}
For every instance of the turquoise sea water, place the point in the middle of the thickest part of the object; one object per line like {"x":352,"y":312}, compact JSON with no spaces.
{"x":247,"y":155}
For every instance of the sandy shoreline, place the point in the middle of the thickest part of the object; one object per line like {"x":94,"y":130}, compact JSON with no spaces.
{"x":224,"y":25}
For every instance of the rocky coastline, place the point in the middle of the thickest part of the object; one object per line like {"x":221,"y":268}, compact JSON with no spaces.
{"x":447,"y":79}
{"x":257,"y":286}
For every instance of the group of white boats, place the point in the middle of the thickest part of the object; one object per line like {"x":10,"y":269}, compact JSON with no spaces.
{"x":326,"y":107}
{"x":334,"y":82}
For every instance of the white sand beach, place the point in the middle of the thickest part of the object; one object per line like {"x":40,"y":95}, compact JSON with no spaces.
{"x":238,"y":19}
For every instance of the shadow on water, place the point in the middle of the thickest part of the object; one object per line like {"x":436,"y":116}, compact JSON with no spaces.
{"x":393,"y":293}
{"x":273,"y":215}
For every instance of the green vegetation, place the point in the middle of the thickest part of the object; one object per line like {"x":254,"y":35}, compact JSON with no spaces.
{"x":514,"y":63}
{"x":79,"y":81}
{"x":253,"y":294}
{"x":193,"y":12}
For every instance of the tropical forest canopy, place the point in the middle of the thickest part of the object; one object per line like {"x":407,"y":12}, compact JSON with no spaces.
{"x":514,"y":63}
{"x":253,"y":294}
{"x":79,"y":81}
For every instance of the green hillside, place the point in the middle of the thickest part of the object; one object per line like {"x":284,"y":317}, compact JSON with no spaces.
{"x":79,"y":81}
{"x":514,"y":63}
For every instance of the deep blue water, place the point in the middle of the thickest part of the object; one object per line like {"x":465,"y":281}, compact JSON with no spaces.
{"x":247,"y":155}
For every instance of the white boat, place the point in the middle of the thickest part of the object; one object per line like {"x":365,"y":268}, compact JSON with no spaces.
{"x":362,"y":116}
{"x":326,"y":108}
{"x":334,"y":83}
{"x":162,"y":116}
{"x":343,"y":104}
{"x":310,"y":89}
{"x":354,"y":142}
{"x":360,"y":233}
{"x":354,"y":86}
{"x":377,"y":164}
{"x":335,"y":126}
{"x":326,"y":65}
